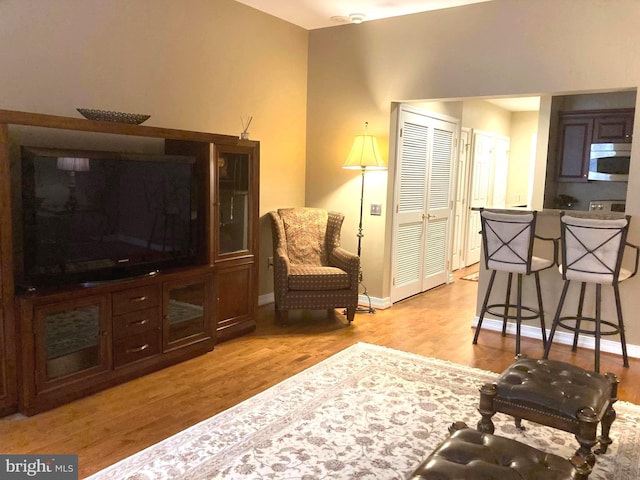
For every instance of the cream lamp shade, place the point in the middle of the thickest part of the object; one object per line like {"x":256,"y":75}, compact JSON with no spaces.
{"x":365,"y":154}
{"x":73,"y":164}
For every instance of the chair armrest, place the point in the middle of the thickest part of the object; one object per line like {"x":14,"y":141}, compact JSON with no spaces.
{"x":281,"y":261}
{"x":347,"y":261}
{"x":555,"y":246}
{"x":635,"y":247}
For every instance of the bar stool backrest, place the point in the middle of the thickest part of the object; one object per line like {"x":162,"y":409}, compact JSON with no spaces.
{"x":508,"y":240}
{"x":592,"y":248}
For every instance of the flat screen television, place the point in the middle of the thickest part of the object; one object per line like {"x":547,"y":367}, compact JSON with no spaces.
{"x":91,"y":216}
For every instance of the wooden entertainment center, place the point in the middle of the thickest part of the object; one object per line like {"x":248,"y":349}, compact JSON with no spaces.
{"x":64,"y":341}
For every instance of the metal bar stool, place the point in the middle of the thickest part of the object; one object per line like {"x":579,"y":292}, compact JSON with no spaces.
{"x":508,"y":240}
{"x":592,"y":252}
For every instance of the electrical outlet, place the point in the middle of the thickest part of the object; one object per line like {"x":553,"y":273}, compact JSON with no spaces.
{"x":270,"y":262}
{"x":376,"y":209}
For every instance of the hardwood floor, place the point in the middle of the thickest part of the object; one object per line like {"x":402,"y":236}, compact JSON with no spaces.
{"x":118,"y":422}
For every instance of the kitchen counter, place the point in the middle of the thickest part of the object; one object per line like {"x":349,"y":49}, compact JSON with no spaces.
{"x":554,"y":212}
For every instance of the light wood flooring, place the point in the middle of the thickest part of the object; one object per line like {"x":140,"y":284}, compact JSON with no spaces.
{"x":118,"y":422}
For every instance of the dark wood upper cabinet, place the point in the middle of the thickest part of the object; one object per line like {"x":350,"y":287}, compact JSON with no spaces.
{"x":615,"y":127}
{"x":578,"y":130}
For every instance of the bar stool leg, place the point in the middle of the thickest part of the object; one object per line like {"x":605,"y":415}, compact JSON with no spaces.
{"x":541,"y":310}
{"x":484,"y":306}
{"x":623,"y":341}
{"x":507,"y":304}
{"x":518,"y":314}
{"x":583,"y":287}
{"x":598,"y":325}
{"x":556,"y":319}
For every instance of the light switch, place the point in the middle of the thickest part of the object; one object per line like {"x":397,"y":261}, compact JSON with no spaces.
{"x":376,"y":209}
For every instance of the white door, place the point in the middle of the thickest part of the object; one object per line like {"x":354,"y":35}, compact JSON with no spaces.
{"x":481,"y":173}
{"x":439,"y":222}
{"x":423,"y":203}
{"x":461,"y":211}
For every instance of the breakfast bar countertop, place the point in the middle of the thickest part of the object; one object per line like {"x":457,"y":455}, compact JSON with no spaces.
{"x":555,"y":212}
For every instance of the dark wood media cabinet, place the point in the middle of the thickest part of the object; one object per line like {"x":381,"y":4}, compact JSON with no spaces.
{"x":59,"y":343}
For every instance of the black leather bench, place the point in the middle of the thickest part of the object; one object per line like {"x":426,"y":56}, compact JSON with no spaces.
{"x":471,"y":455}
{"x":555,"y":394}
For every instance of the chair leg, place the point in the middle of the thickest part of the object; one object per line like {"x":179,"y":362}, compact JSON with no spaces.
{"x":576,"y":332}
{"x":351,"y":314}
{"x":282,"y":316}
{"x":518,"y":313}
{"x":507,"y":302}
{"x":623,"y":341}
{"x":487,"y":393}
{"x":607,"y":421}
{"x":543,"y":327}
{"x":483,"y":310}
{"x":556,"y":318}
{"x":609,"y":416}
{"x":598,"y":325}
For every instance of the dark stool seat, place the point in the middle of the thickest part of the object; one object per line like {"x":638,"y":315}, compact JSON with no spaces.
{"x":555,"y":394}
{"x":469,"y":454}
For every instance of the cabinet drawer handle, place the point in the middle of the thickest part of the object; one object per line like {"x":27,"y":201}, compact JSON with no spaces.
{"x":139,"y":322}
{"x":142,"y":298}
{"x":138,"y":349}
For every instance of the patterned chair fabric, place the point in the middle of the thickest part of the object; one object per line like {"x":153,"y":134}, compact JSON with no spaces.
{"x":310,"y":269}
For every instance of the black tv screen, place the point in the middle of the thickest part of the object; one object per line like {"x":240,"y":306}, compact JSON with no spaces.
{"x":92,"y":216}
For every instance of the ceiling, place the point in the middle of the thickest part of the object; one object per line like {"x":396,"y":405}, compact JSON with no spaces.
{"x":312,"y":14}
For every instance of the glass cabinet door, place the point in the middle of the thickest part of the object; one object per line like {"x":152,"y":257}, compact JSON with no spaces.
{"x":186,"y":312}
{"x":234,"y":171}
{"x":71,"y":338}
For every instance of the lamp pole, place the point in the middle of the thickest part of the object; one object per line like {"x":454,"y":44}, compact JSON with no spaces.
{"x":364,"y":154}
{"x":360,"y":234}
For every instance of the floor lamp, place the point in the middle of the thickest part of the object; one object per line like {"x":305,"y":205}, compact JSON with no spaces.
{"x":364,"y":155}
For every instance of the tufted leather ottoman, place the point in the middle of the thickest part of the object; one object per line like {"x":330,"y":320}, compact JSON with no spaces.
{"x":471,"y":455}
{"x":555,"y":394}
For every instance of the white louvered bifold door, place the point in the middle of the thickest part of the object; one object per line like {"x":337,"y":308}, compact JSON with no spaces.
{"x":410,"y":207}
{"x":439,"y":207}
{"x":422,"y":216}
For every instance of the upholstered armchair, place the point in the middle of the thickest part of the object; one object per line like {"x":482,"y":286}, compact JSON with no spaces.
{"x":310,"y":269}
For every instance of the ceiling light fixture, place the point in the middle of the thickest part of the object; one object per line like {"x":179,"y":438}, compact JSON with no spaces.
{"x":357,"y":18}
{"x":340,"y":19}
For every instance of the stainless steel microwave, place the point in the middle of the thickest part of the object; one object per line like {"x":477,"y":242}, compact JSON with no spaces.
{"x":609,"y":162}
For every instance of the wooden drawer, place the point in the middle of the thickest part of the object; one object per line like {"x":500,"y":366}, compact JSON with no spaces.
{"x":135,"y":299}
{"x":136,"y":347}
{"x":134,"y":323}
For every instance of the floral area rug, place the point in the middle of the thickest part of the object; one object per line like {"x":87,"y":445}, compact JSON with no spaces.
{"x":368,"y":412}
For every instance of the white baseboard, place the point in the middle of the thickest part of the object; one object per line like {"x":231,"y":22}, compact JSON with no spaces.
{"x":564,"y":338}
{"x":376,"y":302}
{"x":266,"y":299}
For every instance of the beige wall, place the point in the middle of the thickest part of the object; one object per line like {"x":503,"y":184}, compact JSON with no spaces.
{"x":485,"y":116}
{"x":524,"y":131}
{"x":503,"y":47}
{"x":190,"y":64}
